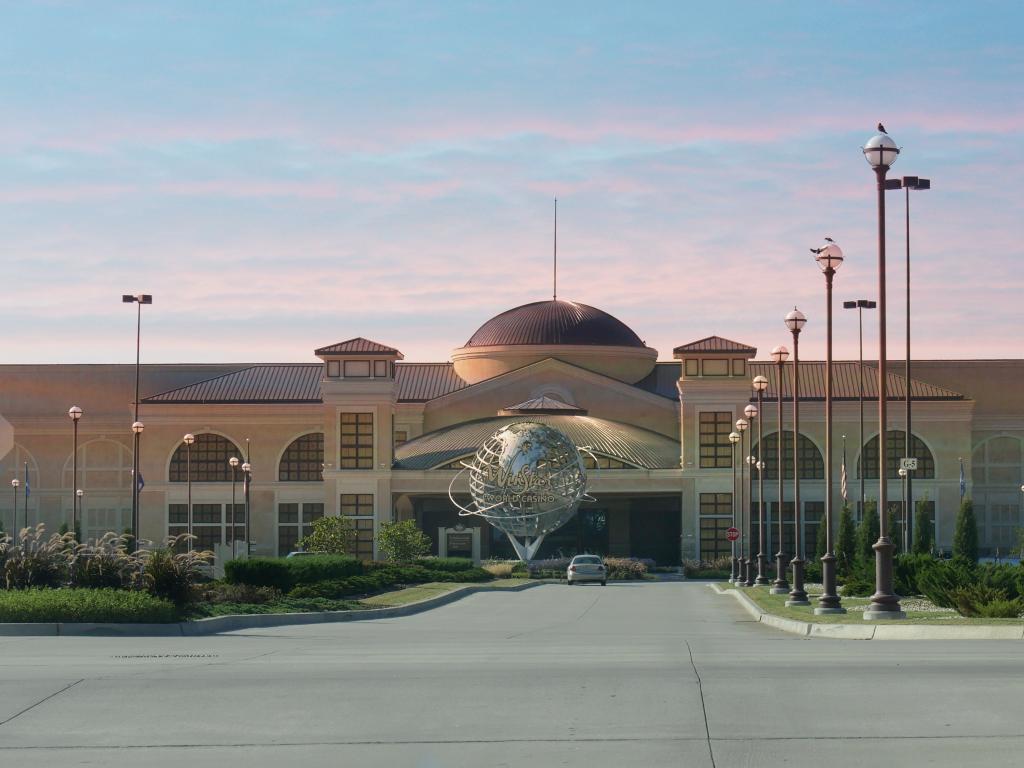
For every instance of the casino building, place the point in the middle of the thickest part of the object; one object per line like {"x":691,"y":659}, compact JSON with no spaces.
{"x":361,"y":432}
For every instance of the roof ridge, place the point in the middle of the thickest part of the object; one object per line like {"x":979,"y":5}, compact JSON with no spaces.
{"x":204,"y":381}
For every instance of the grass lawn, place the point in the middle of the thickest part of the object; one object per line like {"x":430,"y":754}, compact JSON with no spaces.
{"x":776,"y":605}
{"x":423,"y":591}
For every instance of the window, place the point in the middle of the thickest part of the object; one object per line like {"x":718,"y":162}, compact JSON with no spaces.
{"x":333,"y":369}
{"x":895,"y":449}
{"x":814,"y":516}
{"x":812,"y":465}
{"x":715,"y":367}
{"x":303,"y":460}
{"x":692,"y":367}
{"x":1003,"y":522}
{"x":356,"y":441}
{"x":359,"y":507}
{"x":715,"y":448}
{"x":380,"y":369}
{"x":101,"y":464}
{"x":209,"y":525}
{"x":210,"y":454}
{"x":998,"y":462}
{"x":294,"y":521}
{"x":715,"y":520}
{"x":739,"y":367}
{"x":401,"y":437}
{"x":357,"y":369}
{"x":772,"y":528}
{"x":604,"y":462}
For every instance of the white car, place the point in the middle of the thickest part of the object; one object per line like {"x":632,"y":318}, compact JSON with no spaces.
{"x":586,"y":568}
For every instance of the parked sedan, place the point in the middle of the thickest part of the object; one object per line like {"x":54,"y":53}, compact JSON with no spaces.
{"x":586,"y":568}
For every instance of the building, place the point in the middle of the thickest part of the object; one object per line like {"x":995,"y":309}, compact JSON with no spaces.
{"x":361,"y":432}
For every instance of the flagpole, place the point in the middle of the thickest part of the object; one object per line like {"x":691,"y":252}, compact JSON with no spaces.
{"x":27,"y":490}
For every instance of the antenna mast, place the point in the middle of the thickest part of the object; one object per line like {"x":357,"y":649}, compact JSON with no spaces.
{"x":554,"y":292}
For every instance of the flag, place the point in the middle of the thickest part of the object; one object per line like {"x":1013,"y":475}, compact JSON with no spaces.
{"x":842,"y":475}
{"x":142,"y":483}
{"x":963,"y":482}
{"x":28,"y":490}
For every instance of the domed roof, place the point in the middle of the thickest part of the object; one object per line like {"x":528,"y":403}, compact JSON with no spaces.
{"x":554,"y":322}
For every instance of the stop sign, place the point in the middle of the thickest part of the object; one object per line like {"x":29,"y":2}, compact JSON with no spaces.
{"x":732,"y":534}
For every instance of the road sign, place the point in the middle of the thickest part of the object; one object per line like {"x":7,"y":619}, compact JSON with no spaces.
{"x":6,"y":437}
{"x":908,"y":464}
{"x":732,"y":534}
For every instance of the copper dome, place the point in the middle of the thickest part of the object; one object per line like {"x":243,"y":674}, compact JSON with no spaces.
{"x":554,"y":322}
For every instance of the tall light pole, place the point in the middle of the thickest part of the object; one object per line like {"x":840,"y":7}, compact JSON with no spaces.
{"x":829,"y":258}
{"x":881,"y":152}
{"x":734,"y":437}
{"x":74,"y":413}
{"x":138,"y":299}
{"x":760,"y":385}
{"x":905,"y":477}
{"x":909,"y":183}
{"x":860,"y":305}
{"x":751,"y":413}
{"x":795,"y":321}
{"x":741,"y":427}
{"x":14,"y":484}
{"x":79,"y":493}
{"x":233,"y":462}
{"x":189,"y":439}
{"x":780,"y":586}
{"x":137,"y":427}
{"x":247,"y":482}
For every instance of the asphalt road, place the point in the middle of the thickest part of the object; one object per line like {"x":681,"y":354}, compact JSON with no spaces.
{"x":632,"y":674}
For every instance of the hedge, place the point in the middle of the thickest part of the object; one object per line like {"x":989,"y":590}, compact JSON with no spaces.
{"x":78,"y":605}
{"x":445,"y":563}
{"x":377,"y":579}
{"x":286,"y":572}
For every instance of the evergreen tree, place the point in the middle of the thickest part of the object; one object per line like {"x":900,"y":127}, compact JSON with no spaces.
{"x":867,"y":533}
{"x":923,"y":534}
{"x":819,"y":540}
{"x":965,"y":534}
{"x":895,"y":530}
{"x":846,"y":542}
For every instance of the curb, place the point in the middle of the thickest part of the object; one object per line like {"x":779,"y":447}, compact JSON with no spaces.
{"x":872,"y":631}
{"x":217,"y":624}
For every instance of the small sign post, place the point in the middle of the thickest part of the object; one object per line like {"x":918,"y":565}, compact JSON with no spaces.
{"x":908,"y":464}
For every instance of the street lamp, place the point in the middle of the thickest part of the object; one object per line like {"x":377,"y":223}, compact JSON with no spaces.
{"x":189,"y":439}
{"x":74,"y":413}
{"x":751,"y":413}
{"x":741,"y":427}
{"x":795,"y":321}
{"x":904,"y":474}
{"x":780,"y":586}
{"x":137,"y":427}
{"x":829,"y":258}
{"x":860,"y":305}
{"x":881,"y":152}
{"x":734,"y":437}
{"x":909,"y":183}
{"x":247,"y":482}
{"x":78,"y":498}
{"x":14,"y":484}
{"x":233,"y":461}
{"x":760,"y":385}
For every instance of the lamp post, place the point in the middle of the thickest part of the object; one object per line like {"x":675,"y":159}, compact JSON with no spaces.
{"x":233,"y":462}
{"x":829,"y":258}
{"x":247,"y":482}
{"x":860,"y":305}
{"x":780,"y":586}
{"x":79,"y":493}
{"x":14,"y":484}
{"x":137,"y":427}
{"x":189,"y":439}
{"x":751,"y":412}
{"x":760,"y":385}
{"x":905,"y":478}
{"x":74,"y":413}
{"x":734,"y":437}
{"x":881,"y":151}
{"x":795,"y":321}
{"x":741,"y":427}
{"x":909,"y":183}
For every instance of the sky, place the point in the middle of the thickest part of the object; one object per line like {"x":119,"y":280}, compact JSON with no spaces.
{"x":286,"y":175}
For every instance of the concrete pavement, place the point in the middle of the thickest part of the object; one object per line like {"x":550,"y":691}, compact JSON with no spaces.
{"x":646,"y":674}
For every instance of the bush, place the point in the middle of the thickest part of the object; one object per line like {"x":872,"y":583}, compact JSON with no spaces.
{"x":33,"y":560}
{"x":500,"y":569}
{"x":867,"y":533}
{"x":105,"y":564}
{"x":625,"y":568}
{"x":940,"y":580}
{"x":907,"y":569}
{"x":719,"y":568}
{"x":313,"y":568}
{"x":860,"y":582}
{"x":812,"y":571}
{"x":219,"y":593}
{"x":402,"y":542}
{"x":449,"y":564}
{"x":986,"y":602}
{"x":965,"y":534}
{"x":923,"y":534}
{"x":260,"y":572}
{"x":846,"y":542}
{"x":173,"y":575}
{"x":334,"y":535}
{"x":77,"y":605}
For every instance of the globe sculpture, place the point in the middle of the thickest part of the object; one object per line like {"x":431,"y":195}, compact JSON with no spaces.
{"x":527,"y":480}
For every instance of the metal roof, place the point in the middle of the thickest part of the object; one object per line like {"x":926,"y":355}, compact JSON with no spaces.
{"x":359,"y":346}
{"x":662,"y":380}
{"x":554,"y":322}
{"x":542,"y":404}
{"x":845,"y":379}
{"x":716,"y":344}
{"x":275,"y":383}
{"x":419,"y":382}
{"x":625,"y":442}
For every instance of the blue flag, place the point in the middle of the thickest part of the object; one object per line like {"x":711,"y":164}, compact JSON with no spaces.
{"x":28,"y":490}
{"x":142,"y":483}
{"x":963,"y":482}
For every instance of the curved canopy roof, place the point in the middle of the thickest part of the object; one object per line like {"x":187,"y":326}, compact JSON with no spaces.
{"x":554,"y":322}
{"x":632,"y":445}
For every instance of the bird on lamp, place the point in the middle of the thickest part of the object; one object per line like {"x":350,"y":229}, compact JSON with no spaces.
{"x":881,"y":128}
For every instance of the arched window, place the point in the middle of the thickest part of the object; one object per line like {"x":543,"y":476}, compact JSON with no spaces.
{"x":210,"y":454}
{"x":812,"y":465}
{"x":896,"y":449}
{"x":102,"y":464}
{"x":998,"y":462}
{"x":303,"y":460}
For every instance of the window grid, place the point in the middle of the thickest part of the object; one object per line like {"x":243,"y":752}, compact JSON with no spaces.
{"x":715,"y":448}
{"x":356,"y":441}
{"x":303,"y":460}
{"x":812,"y":465}
{"x":208,"y":523}
{"x":715,"y":520}
{"x":289,"y":526}
{"x":359,"y":507}
{"x":895,"y":442}
{"x":210,"y":454}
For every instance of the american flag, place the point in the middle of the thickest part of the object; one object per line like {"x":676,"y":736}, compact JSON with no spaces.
{"x":842,"y":475}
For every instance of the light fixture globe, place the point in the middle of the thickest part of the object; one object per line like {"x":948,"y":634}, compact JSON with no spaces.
{"x":189,"y":439}
{"x":829,"y":256}
{"x":74,"y":413}
{"x":742,"y":424}
{"x":137,"y":427}
{"x":760,"y":383}
{"x":780,"y":354}
{"x":233,"y":461}
{"x":750,"y":411}
{"x":247,"y":467}
{"x":735,"y":437}
{"x":527,"y":479}
{"x":881,"y":151}
{"x":15,"y":482}
{"x":796,"y":320}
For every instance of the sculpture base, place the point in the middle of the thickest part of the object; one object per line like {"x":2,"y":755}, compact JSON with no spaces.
{"x":795,"y":603}
{"x":828,"y":611}
{"x":884,"y":615}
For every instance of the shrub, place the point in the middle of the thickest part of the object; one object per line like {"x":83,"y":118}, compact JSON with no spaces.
{"x":500,"y":569}
{"x":310,"y":569}
{"x":965,"y":534}
{"x":75,"y":605}
{"x":860,"y":582}
{"x":33,"y":560}
{"x":219,"y":593}
{"x":625,"y":568}
{"x":402,"y":542}
{"x":334,"y":535}
{"x":173,"y":575}
{"x":923,"y":535}
{"x":719,"y":568}
{"x":812,"y":571}
{"x":846,"y":542}
{"x":446,"y":563}
{"x":260,"y":572}
{"x":906,"y":570}
{"x":940,"y":580}
{"x":986,"y":602}
{"x":867,"y":533}
{"x":895,"y":530}
{"x":107,"y":563}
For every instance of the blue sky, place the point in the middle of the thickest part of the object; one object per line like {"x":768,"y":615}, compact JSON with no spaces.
{"x":285,"y":175}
